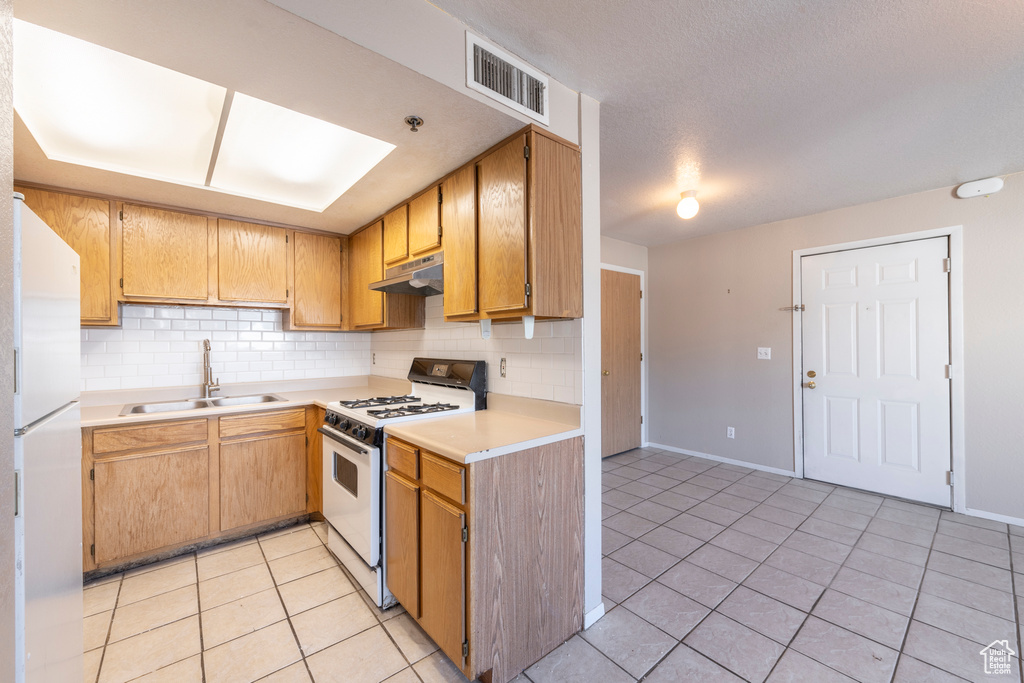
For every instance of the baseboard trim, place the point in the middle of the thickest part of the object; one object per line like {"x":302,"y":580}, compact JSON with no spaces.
{"x":592,"y":616}
{"x":1006,"y":519}
{"x":718,"y":458}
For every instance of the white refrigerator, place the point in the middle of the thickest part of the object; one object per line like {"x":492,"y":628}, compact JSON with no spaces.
{"x":47,"y":454}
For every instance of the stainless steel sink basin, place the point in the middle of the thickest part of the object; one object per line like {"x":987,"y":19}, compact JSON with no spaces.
{"x":198,"y":403}
{"x":245,"y":400}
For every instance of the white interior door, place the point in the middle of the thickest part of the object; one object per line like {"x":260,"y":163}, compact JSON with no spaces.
{"x":876,"y":408}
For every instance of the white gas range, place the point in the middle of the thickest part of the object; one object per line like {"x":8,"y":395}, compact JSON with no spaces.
{"x":354,"y":466}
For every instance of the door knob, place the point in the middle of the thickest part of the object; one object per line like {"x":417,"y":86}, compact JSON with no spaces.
{"x":810,"y":385}
{"x":605,"y":373}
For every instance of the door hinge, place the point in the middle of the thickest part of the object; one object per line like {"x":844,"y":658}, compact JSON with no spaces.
{"x":92,"y":475}
{"x":641,"y":358}
{"x":92,"y":550}
{"x":526,"y":152}
{"x":527,"y":289}
{"x":947,"y":265}
{"x":949,"y":478}
{"x":641,"y":419}
{"x":949,"y":372}
{"x":15,"y":371}
{"x":465,"y":534}
{"x":17,"y":492}
{"x":465,"y":648}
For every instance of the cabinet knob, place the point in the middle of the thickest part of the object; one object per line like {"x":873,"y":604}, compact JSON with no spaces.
{"x":605,"y":372}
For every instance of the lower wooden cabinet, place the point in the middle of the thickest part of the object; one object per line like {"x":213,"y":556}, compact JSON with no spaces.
{"x":145,"y":502}
{"x":152,"y":487}
{"x":488,"y":557}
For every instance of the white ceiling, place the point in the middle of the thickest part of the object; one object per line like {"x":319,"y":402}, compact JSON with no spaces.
{"x":258,"y":49}
{"x":777,"y":109}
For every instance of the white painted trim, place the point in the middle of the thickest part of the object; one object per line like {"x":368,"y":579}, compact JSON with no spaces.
{"x":956,"y":347}
{"x":643,"y":343}
{"x":591,"y":617}
{"x":729,"y":461}
{"x":1006,"y":519}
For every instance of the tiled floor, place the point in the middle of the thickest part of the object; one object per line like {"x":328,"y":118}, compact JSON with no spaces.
{"x":712,"y":572}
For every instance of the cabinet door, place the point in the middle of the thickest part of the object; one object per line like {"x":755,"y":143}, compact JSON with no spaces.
{"x":84,"y":223}
{"x":458,"y":220}
{"x":443,"y":570}
{"x":165,"y":254}
{"x":317,"y":299}
{"x":424,"y":223}
{"x":261,"y":479}
{"x":401,"y":544}
{"x":252,"y":262}
{"x":396,"y":235}
{"x":150,"y":501}
{"x":366,"y":263}
{"x":503,"y":242}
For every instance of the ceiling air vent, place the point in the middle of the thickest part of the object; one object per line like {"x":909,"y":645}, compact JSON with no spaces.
{"x":504,"y":78}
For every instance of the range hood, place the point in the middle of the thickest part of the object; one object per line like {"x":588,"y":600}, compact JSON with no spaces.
{"x":421,"y":277}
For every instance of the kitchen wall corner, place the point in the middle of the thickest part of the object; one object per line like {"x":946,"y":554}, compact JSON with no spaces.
{"x":549,"y":366}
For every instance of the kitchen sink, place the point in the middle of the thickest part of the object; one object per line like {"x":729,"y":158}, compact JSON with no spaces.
{"x":198,"y":403}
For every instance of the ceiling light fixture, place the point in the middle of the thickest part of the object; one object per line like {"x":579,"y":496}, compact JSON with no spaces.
{"x":688,"y":205}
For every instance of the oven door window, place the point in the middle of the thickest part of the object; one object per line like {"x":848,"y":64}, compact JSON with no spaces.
{"x":346,"y":474}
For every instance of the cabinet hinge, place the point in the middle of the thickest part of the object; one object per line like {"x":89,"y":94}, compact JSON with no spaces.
{"x":287,"y":292}
{"x":121,"y":281}
{"x":92,"y":550}
{"x":120,"y":215}
{"x":307,"y":497}
{"x":92,"y":475}
{"x":307,"y":442}
{"x":465,"y":648}
{"x":526,"y":152}
{"x":641,"y":419}
{"x":947,"y":265}
{"x":527,"y":289}
{"x":641,"y":294}
{"x":465,"y":534}
{"x":440,"y":197}
{"x":440,"y":231}
{"x":286,"y":238}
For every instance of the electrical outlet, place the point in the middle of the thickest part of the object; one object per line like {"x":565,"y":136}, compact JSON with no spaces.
{"x":502,"y":367}
{"x":764,"y":353}
{"x":730,"y":432}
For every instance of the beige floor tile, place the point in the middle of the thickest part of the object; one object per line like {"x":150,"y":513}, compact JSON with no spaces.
{"x":794,"y":667}
{"x":437,"y":668}
{"x":91,"y":665}
{"x":315,"y":589}
{"x":673,"y":613}
{"x":301,"y":564}
{"x":576,"y":661}
{"x":368,"y":657}
{"x":410,"y":638}
{"x":870,"y":621}
{"x":283,"y":531}
{"x":253,"y":656}
{"x":211,"y":566}
{"x":148,"y":584}
{"x":697,"y":583}
{"x":295,"y":673}
{"x":910,"y":670}
{"x":963,"y":621}
{"x":224,"y":547}
{"x":230,"y":587}
{"x":845,"y":651}
{"x":144,"y":615}
{"x":629,"y":641}
{"x":320,"y":529}
{"x":109,"y":578}
{"x":735,"y":647}
{"x":147,"y":652}
{"x":289,"y":544}
{"x":96,"y":628}
{"x":409,"y":676}
{"x":765,"y":615}
{"x":332,"y":622}
{"x":186,"y":671}
{"x":100,"y":598}
{"x":684,"y":664}
{"x":241,"y":617}
{"x":619,"y":581}
{"x":162,"y":564}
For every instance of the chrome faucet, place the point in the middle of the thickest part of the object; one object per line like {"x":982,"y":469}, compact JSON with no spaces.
{"x":209,"y":386}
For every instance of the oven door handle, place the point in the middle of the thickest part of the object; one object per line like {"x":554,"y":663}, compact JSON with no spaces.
{"x":335,"y":437}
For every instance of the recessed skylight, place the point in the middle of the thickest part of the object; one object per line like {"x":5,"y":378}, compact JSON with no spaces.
{"x":92,"y":106}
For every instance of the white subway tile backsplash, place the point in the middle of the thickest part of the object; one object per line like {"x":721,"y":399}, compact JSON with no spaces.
{"x":161,"y":346}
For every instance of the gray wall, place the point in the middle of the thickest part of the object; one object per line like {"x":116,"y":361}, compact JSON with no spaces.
{"x":713,"y":300}
{"x":6,"y":346}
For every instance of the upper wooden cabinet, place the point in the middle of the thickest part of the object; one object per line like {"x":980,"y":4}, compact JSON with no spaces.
{"x":84,"y":223}
{"x":252,"y":262}
{"x":458,"y":222}
{"x":530,"y":230}
{"x":316,"y":300}
{"x":369,"y":309}
{"x":164,"y":254}
{"x":425,"y":223}
{"x":396,"y":236}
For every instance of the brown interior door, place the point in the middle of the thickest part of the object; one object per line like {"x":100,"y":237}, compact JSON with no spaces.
{"x":620,"y":362}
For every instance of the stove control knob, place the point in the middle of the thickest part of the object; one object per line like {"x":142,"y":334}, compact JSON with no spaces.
{"x":332,"y":419}
{"x":360,"y":432}
{"x":343,"y":424}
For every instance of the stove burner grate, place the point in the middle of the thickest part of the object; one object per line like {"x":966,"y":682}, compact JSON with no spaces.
{"x":378,"y":401}
{"x":403,"y":411}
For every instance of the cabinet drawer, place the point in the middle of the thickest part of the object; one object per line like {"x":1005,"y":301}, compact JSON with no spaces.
{"x":144,"y":437}
{"x":260,"y":423}
{"x":444,"y":476}
{"x":403,"y":458}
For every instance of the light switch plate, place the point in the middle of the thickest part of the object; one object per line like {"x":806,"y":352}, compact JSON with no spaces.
{"x":764,"y":353}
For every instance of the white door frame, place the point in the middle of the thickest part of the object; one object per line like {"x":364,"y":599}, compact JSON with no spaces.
{"x":956,"y":346}
{"x":643,"y":346}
